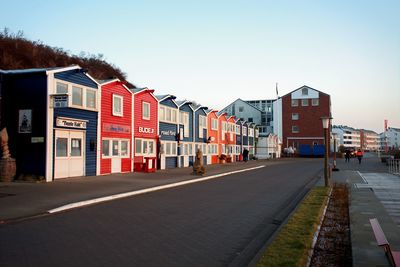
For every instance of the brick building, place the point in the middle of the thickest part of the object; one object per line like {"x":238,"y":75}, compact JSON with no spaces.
{"x":301,"y":112}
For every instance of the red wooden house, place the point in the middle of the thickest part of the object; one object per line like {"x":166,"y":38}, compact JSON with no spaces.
{"x":115,"y":127}
{"x":145,"y":127}
{"x":223,"y":130}
{"x":213,"y":136}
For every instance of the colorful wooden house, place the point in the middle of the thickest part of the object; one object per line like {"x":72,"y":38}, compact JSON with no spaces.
{"x":239,"y":139}
{"x":213,"y":136}
{"x":145,"y":129}
{"x":245,"y":136}
{"x":116,"y":127}
{"x":222,"y":134}
{"x":231,"y":137}
{"x":201,"y":138}
{"x":168,"y":131}
{"x":52,"y":120}
{"x":185,"y":133}
{"x":251,"y":136}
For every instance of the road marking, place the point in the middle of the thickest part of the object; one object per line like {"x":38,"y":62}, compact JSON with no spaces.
{"x":144,"y":191}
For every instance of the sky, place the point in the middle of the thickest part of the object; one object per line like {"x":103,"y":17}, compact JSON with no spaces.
{"x":214,"y":52}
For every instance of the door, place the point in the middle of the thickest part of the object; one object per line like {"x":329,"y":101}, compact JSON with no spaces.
{"x":69,"y":158}
{"x":116,"y":157}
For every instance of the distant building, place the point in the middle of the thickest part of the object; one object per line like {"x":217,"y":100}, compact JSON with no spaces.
{"x":259,"y":112}
{"x":390,"y":139}
{"x":348,"y":136}
{"x":370,"y":140}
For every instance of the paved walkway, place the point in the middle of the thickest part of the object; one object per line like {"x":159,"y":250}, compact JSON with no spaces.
{"x":374,"y":194}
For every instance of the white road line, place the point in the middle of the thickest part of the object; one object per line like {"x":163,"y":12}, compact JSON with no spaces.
{"x":143,"y":191}
{"x":362,"y":177}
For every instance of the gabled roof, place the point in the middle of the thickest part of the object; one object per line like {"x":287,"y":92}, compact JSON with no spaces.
{"x":244,"y":102}
{"x":304,"y":86}
{"x":108,"y":81}
{"x":198,"y":106}
{"x":166,"y":97}
{"x":221,"y":113}
{"x":136,"y":91}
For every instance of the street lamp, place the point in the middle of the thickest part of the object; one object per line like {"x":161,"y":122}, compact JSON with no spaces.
{"x":335,"y":169}
{"x":325,"y":125}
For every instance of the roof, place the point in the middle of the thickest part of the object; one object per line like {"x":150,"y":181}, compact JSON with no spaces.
{"x":243,"y":101}
{"x":221,"y":113}
{"x":36,"y":70}
{"x":198,"y":106}
{"x":301,"y":87}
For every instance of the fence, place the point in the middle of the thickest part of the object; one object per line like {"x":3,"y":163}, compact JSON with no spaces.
{"x":394,"y":166}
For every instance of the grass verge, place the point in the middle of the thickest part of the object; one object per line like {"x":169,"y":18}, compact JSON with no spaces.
{"x":291,"y":245}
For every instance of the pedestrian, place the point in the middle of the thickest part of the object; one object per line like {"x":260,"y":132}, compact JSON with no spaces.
{"x":245,"y":155}
{"x":359,"y":155}
{"x":347,"y":155}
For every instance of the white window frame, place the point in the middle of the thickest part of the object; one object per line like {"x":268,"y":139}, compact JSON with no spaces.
{"x":142,"y":142}
{"x":184,"y":120}
{"x":84,"y":89}
{"x":304,"y":102}
{"x":202,"y":125}
{"x":295,"y":103}
{"x":244,"y":131}
{"x":315,"y":102}
{"x":238,"y":129}
{"x":295,"y":116}
{"x":114,"y":112}
{"x":110,"y":148}
{"x":173,"y":148}
{"x":214,"y":124}
{"x":145,"y":105}
{"x":165,"y":112}
{"x":295,"y":129}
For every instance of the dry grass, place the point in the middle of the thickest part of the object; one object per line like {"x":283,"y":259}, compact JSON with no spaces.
{"x":290,"y":247}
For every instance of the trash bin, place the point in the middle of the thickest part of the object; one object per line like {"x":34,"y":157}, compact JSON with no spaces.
{"x":150,"y":164}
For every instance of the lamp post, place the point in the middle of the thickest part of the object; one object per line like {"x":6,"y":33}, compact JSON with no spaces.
{"x":335,"y":169}
{"x":325,"y":125}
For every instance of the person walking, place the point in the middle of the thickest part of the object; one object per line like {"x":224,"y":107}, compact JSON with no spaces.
{"x":359,"y":155}
{"x":245,"y":155}
{"x":347,"y":155}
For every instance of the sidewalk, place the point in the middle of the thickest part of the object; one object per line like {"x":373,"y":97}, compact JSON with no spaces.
{"x":373,"y":194}
{"x":19,"y":200}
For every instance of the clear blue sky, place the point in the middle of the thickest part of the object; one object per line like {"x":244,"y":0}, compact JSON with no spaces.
{"x":214,"y":52}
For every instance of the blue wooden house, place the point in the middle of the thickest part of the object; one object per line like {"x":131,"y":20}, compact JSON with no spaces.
{"x":239,"y":140}
{"x":201,"y":138}
{"x":185,"y":133}
{"x":51,"y":116}
{"x":245,"y":134}
{"x":168,"y":120}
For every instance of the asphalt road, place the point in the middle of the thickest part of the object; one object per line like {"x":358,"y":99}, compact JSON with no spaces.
{"x":214,"y":223}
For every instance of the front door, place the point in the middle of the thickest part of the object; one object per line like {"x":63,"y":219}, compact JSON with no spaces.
{"x":69,"y":158}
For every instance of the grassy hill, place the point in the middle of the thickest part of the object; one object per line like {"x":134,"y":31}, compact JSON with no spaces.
{"x":17,"y":52}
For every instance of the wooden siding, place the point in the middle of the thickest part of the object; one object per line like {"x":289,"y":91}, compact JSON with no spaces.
{"x":26,"y":91}
{"x":91,"y":133}
{"x":76,"y":76}
{"x":138,"y":117}
{"x":169,"y":103}
{"x":187,"y":109}
{"x":167,"y":127}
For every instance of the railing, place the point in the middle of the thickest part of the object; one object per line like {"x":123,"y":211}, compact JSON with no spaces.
{"x":394,"y":166}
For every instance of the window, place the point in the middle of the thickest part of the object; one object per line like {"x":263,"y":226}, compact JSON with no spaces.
{"x":315,"y":102}
{"x":244,"y":131}
{"x":62,"y":88}
{"x":90,"y":98}
{"x":105,"y":148}
{"x":295,"y":116}
{"x":241,"y":109}
{"x":170,"y":148}
{"x":237,"y":129}
{"x":250,"y":119}
{"x":124,"y":148}
{"x":295,"y":129}
{"x":202,"y":125}
{"x":117,"y":105}
{"x":214,"y":124}
{"x":77,"y":96}
{"x":61,"y":147}
{"x":115,"y":148}
{"x":304,"y":91}
{"x":167,"y":114}
{"x":145,"y":111}
{"x":295,"y":102}
{"x":76,"y":147}
{"x":184,"y":119}
{"x":304,"y":102}
{"x":144,"y":146}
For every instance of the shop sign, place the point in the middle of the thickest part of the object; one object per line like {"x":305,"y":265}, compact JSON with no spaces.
{"x":146,"y":130}
{"x":116,"y":128}
{"x":71,"y":123}
{"x":169,"y":132}
{"x":37,"y":140}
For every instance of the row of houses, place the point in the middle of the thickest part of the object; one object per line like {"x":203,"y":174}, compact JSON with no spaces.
{"x":64,"y":123}
{"x":368,"y":140}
